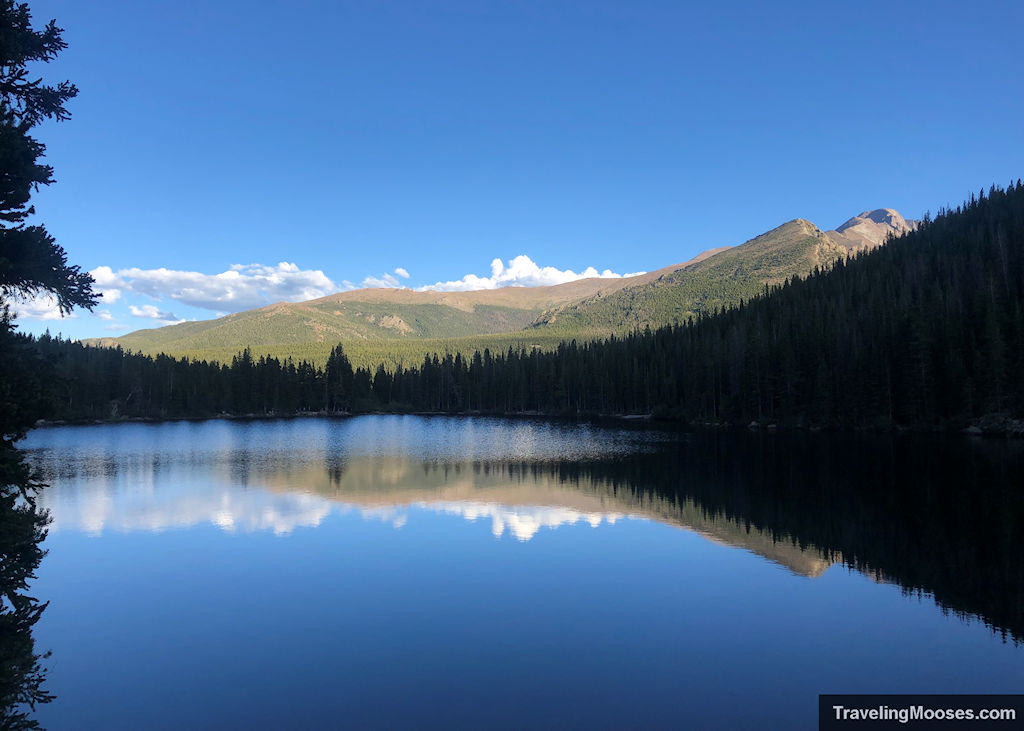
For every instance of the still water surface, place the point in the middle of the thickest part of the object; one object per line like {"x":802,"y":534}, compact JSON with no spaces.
{"x":385,"y":570}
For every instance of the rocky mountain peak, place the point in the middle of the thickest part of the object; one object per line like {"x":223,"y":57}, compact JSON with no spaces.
{"x":872,"y":228}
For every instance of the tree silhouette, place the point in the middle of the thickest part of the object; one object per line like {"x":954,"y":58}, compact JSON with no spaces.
{"x":31,"y":264}
{"x":31,"y":261}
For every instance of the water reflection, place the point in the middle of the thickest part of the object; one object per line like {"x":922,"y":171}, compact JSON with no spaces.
{"x":935,"y":516}
{"x":22,"y":531}
{"x":282,"y":493}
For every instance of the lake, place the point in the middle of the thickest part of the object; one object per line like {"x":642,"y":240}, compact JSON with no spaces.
{"x":386,"y":571}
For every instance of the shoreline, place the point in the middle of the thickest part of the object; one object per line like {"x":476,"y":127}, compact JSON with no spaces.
{"x":989,"y":426}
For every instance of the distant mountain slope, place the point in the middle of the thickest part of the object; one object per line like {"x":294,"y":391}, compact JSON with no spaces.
{"x":387,"y":325}
{"x":331,"y":321}
{"x":377,"y":314}
{"x":722,"y":280}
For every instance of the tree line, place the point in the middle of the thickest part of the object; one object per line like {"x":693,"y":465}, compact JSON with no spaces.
{"x":927,"y":330}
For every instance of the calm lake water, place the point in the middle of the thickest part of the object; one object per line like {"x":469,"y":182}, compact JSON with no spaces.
{"x":390,"y":571}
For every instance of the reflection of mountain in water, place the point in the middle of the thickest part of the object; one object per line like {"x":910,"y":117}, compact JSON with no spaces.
{"x":940,"y":516}
{"x":936,"y":516}
{"x":526,"y":496}
{"x":518,"y":498}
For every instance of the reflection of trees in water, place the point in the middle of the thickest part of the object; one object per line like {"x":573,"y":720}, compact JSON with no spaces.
{"x":22,"y":530}
{"x":934,"y":515}
{"x":940,"y":516}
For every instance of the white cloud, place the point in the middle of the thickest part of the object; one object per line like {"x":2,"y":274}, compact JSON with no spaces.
{"x":153,"y":313}
{"x":242,"y":287}
{"x":521,"y":271}
{"x":247,"y":286}
{"x":384,"y":280}
{"x":38,"y":308}
{"x":106,"y":284}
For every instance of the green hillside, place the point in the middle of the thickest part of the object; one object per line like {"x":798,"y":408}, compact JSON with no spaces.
{"x":329,"y":322}
{"x":795,"y":248}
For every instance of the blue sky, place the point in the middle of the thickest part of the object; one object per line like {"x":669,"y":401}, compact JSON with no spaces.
{"x":346,"y":140}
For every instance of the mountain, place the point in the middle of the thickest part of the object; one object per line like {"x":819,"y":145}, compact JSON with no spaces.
{"x":390,"y":325}
{"x":871,"y":228}
{"x":741,"y":272}
{"x":382,"y":325}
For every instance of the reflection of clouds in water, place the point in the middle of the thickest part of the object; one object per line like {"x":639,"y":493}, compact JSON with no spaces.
{"x":265,"y":475}
{"x":521,"y":521}
{"x":95,"y":507}
{"x":387,"y":514}
{"x":279,"y":476}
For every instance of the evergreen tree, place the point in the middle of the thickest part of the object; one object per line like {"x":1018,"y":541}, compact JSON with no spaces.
{"x":31,"y":262}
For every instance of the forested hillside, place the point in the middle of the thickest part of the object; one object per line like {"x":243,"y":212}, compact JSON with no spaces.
{"x":736,"y":274}
{"x":730,"y":276}
{"x":926,"y":331}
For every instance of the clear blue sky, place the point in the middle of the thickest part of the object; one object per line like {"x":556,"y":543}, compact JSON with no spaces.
{"x":354,"y":138}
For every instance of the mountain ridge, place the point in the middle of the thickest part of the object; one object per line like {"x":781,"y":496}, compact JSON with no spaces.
{"x":386,"y":324}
